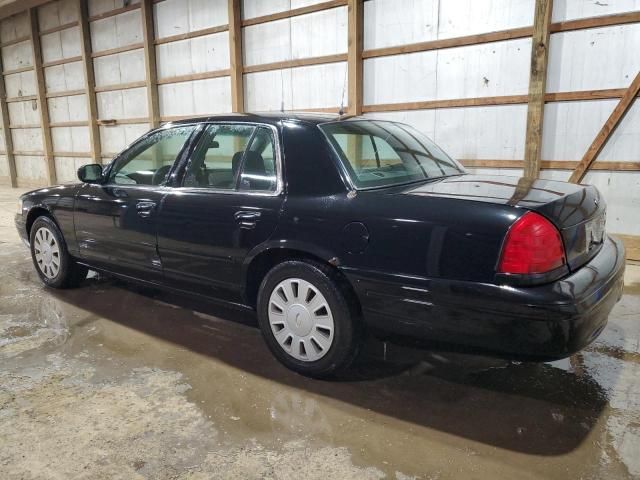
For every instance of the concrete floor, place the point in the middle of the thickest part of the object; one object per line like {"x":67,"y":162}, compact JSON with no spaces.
{"x":112,"y":381}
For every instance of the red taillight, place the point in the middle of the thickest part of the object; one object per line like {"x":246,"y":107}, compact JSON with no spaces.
{"x":533,"y":245}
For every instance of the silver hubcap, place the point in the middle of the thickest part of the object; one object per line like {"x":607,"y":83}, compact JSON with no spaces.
{"x":47,"y":252}
{"x":301,"y":319}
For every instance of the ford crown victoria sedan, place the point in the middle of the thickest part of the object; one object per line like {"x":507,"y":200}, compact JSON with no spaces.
{"x":333,"y":228}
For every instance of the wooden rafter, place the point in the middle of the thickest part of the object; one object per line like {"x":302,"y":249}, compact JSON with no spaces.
{"x":235,"y":56}
{"x":43,"y":106}
{"x":354,"y":55}
{"x":537,"y":86}
{"x":151,"y":76}
{"x":89,"y":81}
{"x":605,"y":132}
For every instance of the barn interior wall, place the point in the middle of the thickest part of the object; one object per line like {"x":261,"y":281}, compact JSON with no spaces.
{"x":299,"y":62}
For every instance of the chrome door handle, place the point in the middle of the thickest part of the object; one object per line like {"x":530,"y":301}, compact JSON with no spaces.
{"x":145,"y":208}
{"x":247,"y":218}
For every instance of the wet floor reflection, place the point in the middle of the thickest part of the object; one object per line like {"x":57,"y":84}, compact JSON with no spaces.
{"x":533,"y":408}
{"x":398,"y":408}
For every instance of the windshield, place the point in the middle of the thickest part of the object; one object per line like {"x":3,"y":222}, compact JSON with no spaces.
{"x":381,"y":153}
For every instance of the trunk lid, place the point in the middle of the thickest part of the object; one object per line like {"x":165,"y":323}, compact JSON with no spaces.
{"x":578,"y":211}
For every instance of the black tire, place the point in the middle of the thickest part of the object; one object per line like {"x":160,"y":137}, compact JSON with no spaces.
{"x":347,"y":332}
{"x":69,"y":273}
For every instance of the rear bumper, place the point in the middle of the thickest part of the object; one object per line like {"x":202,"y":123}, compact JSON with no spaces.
{"x":538,"y":323}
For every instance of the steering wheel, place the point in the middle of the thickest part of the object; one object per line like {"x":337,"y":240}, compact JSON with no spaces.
{"x":160,"y":174}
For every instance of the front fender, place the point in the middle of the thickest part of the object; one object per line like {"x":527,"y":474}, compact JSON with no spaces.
{"x":58,"y":202}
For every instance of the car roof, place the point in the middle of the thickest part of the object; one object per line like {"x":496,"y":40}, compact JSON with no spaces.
{"x":272,"y":118}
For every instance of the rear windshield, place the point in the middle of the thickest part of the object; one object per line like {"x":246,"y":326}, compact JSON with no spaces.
{"x":380,"y":153}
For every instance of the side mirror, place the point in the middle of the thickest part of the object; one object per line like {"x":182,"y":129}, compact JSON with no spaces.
{"x":91,"y":173}
{"x":214,"y":144}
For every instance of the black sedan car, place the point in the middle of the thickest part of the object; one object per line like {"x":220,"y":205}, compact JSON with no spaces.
{"x":332,"y":227}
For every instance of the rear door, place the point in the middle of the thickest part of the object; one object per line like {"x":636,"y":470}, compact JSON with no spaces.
{"x":116,"y":221}
{"x":228,"y":202}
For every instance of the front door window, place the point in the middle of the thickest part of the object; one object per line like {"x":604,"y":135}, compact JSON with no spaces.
{"x":150,"y":160}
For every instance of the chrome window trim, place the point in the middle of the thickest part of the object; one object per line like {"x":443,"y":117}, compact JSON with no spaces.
{"x":279,"y":173}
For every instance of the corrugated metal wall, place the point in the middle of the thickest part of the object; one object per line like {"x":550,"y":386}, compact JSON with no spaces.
{"x":299,"y":62}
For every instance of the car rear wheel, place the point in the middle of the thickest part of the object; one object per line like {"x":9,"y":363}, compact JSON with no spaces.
{"x":49,"y":252}
{"x":307,"y":320}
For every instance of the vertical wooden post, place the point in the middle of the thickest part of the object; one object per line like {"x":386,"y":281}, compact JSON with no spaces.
{"x":537,"y":86}
{"x":605,"y":132}
{"x":354,"y":55}
{"x":235,"y":56}
{"x":42,"y":98}
{"x":8,"y":141}
{"x":150,"y":63}
{"x":89,"y":81}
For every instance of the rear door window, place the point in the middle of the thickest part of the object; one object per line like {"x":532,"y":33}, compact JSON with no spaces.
{"x":234,"y":157}
{"x":216,"y":162}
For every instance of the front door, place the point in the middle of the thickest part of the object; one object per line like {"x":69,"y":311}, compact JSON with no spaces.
{"x":116,"y":220}
{"x":228,"y":203}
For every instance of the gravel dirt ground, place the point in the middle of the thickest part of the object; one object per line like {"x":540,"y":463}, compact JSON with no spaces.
{"x":115,"y":381}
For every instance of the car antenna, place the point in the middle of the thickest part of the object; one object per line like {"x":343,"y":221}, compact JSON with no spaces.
{"x":281,"y":92}
{"x":344,"y":86}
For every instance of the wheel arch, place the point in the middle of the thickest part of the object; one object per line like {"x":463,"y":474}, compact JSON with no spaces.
{"x":258,"y":265}
{"x":34,"y":213}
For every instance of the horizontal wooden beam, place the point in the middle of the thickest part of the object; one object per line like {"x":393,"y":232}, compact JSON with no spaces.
{"x":17,"y":70}
{"x":194,"y":76}
{"x":113,"y":51}
{"x":194,"y":34}
{"x":23,"y":126}
{"x":502,"y":35}
{"x":596,"y":22}
{"x":316,"y":110}
{"x":301,"y":62}
{"x":113,"y":13}
{"x":450,"y":42}
{"x":26,"y":98}
{"x":65,"y":93}
{"x":62,"y":61}
{"x":450,"y":103}
{"x":69,"y":124}
{"x":498,"y":100}
{"x":59,"y":28}
{"x":318,"y":7}
{"x":553,"y":165}
{"x":121,"y":86}
{"x":108,"y":122}
{"x":29,"y":153}
{"x":15,"y":41}
{"x":72,"y":154}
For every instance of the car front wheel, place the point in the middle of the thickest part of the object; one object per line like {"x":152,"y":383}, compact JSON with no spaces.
{"x":49,"y":252}
{"x":306,"y":319}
